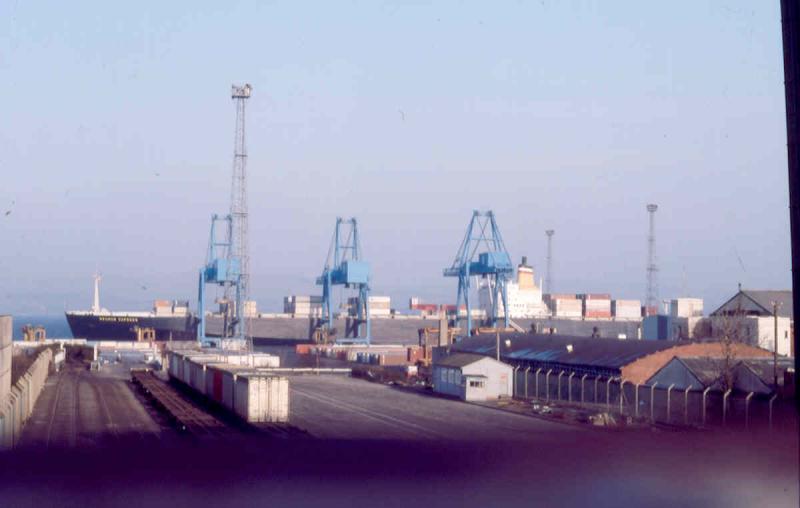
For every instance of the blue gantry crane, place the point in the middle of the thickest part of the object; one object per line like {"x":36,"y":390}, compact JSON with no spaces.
{"x":224,"y":270}
{"x":483,"y":253}
{"x":344,"y":267}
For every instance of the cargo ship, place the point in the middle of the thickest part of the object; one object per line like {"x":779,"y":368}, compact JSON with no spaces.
{"x":169,"y":320}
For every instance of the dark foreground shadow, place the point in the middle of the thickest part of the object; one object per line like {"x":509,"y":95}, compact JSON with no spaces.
{"x":594,"y":469}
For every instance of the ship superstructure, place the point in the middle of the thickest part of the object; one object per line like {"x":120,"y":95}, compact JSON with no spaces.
{"x":168,"y":320}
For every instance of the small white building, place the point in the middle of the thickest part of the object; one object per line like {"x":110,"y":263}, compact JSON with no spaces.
{"x":748,"y":317}
{"x":472,"y":377}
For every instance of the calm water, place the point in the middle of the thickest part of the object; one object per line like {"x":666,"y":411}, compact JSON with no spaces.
{"x":55,"y":325}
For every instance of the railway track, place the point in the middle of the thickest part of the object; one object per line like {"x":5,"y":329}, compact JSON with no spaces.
{"x":185,"y":416}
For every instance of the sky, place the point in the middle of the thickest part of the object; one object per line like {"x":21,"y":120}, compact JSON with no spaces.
{"x":117,"y":130}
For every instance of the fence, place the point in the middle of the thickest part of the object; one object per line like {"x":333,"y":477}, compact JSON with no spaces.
{"x":16,"y":410}
{"x":656,"y":403}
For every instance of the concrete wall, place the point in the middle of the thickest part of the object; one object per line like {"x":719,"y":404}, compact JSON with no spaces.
{"x":384,"y":330}
{"x":5,"y":357}
{"x":584,"y":328}
{"x":16,"y":410}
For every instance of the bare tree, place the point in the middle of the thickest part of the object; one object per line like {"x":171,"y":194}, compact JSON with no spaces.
{"x":731,"y":329}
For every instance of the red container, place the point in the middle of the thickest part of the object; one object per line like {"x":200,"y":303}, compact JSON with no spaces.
{"x":597,"y":314}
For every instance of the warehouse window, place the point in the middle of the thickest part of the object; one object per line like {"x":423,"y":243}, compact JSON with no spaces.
{"x":476,"y":384}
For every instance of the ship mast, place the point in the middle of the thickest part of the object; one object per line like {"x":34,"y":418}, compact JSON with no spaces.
{"x":96,"y":302}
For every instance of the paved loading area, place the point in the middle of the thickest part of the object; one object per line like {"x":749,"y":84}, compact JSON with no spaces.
{"x":345,"y":408}
{"x":80,"y":408}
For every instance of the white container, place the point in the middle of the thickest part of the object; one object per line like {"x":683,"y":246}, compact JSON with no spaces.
{"x":261,"y":399}
{"x":626,"y":309}
{"x":568,"y":308}
{"x":264,"y":360}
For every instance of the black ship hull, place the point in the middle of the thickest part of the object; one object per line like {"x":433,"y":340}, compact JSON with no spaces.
{"x":123,"y":327}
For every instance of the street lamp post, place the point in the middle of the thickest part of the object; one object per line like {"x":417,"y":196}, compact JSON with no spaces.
{"x":775,"y":305}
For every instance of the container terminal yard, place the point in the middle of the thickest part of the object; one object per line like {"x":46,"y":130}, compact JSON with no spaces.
{"x":511,"y":393}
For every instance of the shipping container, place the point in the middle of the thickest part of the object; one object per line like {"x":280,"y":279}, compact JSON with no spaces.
{"x":597,"y":314}
{"x":626,"y":309}
{"x":594,"y":296}
{"x":559,"y":296}
{"x":261,"y":399}
{"x":253,"y":360}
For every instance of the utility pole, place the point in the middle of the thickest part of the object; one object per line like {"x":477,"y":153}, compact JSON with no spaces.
{"x":775,"y":306}
{"x":548,"y":282}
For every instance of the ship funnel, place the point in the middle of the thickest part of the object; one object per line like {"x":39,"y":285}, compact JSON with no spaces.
{"x":524,"y":260}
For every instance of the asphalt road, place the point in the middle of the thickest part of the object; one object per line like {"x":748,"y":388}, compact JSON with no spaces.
{"x":79,"y":408}
{"x":345,"y":408}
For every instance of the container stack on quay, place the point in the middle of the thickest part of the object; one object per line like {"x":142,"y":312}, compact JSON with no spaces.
{"x":303,"y":305}
{"x":626,"y":309}
{"x":162,"y":308}
{"x":250,"y":309}
{"x":379,"y":306}
{"x":564,"y":306}
{"x":17,"y":401}
{"x":241,"y":384}
{"x":596,"y":306}
{"x":386,"y":355}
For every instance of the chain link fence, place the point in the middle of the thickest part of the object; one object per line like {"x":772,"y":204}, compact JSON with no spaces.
{"x":695,"y":406}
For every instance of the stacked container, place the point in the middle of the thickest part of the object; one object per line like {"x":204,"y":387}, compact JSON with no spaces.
{"x":596,"y":306}
{"x":303,"y":305}
{"x":180,"y":307}
{"x":250,"y":308}
{"x":254,"y":360}
{"x":567,"y":308}
{"x":380,"y":306}
{"x":626,"y":309}
{"x":162,"y":308}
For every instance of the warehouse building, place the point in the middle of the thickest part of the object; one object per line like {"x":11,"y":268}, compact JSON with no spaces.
{"x":472,"y":377}
{"x":635,"y":361}
{"x":747,"y":375}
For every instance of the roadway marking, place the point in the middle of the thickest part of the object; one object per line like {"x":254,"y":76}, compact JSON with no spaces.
{"x":382,"y":417}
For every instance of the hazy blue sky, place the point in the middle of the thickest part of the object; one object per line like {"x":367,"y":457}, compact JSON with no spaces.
{"x":116,"y":139}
